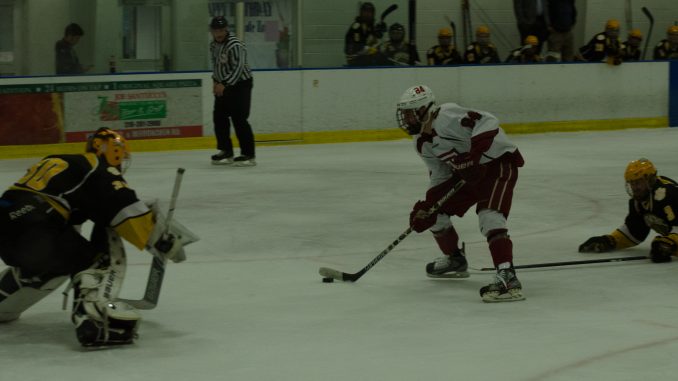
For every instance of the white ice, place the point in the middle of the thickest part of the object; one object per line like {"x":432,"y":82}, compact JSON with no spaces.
{"x":249,"y":303}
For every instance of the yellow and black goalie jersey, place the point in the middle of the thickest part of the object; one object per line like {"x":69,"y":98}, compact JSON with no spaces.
{"x":658,"y":213}
{"x":82,"y":187}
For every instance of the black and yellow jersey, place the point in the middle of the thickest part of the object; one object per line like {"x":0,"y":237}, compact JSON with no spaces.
{"x":443,"y":55}
{"x":657,"y":213}
{"x":83,"y":187}
{"x":481,"y":54}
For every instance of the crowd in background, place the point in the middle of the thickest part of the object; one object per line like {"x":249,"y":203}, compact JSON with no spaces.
{"x":546,"y":35}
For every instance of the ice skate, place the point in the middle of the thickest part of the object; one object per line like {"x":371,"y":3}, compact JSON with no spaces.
{"x":222,"y":158}
{"x":448,"y":266}
{"x":244,"y":161}
{"x":505,"y":288}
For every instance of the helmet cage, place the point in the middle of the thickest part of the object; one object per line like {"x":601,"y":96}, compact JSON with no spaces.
{"x":415,"y":108}
{"x":111,"y":146}
{"x":640,"y":176}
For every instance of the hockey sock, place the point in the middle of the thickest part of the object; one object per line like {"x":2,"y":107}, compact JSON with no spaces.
{"x":501,"y":247}
{"x":447,"y":240}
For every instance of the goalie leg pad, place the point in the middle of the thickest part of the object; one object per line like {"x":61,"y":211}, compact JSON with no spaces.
{"x":98,"y":318}
{"x":17,"y":294}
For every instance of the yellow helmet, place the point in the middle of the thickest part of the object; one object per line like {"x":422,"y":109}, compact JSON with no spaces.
{"x":612,"y":24}
{"x":673,"y":29}
{"x":639,"y":169}
{"x":635,"y":33}
{"x":445,"y":32}
{"x":110,"y":145}
{"x":482,"y":30}
{"x":531,"y":40}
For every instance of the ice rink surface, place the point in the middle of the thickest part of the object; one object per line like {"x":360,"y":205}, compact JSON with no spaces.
{"x":249,"y":303}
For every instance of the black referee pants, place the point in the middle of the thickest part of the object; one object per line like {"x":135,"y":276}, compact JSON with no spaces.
{"x":234,"y":106}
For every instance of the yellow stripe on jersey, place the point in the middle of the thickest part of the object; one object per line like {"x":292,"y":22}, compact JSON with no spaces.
{"x":137,"y":230}
{"x":63,"y":211}
{"x":134,"y":223}
{"x":621,"y":240}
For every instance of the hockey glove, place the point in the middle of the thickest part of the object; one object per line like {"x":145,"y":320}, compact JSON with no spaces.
{"x":420,"y":219}
{"x":166,"y":245}
{"x":468,"y":167}
{"x":598,"y":244}
{"x":662,"y":249}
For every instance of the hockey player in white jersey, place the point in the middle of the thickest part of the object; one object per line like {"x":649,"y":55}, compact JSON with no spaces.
{"x":457,"y":144}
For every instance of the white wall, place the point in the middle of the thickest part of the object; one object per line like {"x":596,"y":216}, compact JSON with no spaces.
{"x":364,"y":99}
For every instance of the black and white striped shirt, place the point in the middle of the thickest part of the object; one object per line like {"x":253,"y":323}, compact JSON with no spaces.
{"x":229,"y":60}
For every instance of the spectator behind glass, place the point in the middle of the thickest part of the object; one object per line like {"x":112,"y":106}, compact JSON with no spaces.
{"x":563,"y":16}
{"x":482,"y":50}
{"x":527,"y":53}
{"x":396,"y":51}
{"x":531,"y":16}
{"x":604,"y":46}
{"x":667,"y":49}
{"x":631,"y":47}
{"x":445,"y":53}
{"x":362,"y":38}
{"x":66,"y":60}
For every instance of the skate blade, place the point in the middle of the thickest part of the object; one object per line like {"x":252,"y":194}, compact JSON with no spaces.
{"x":245,"y":164}
{"x":225,"y":163}
{"x":510,"y":296}
{"x":455,"y":275}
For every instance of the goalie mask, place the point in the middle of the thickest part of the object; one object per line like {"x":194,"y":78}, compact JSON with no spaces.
{"x":110,"y":146}
{"x":415,"y":109}
{"x":640,"y":176}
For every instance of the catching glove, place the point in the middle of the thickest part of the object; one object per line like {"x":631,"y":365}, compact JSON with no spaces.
{"x":420,"y":219}
{"x":662,"y":249}
{"x":598,"y":244}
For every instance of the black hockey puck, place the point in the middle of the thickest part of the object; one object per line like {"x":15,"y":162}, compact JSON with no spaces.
{"x":328,"y":280}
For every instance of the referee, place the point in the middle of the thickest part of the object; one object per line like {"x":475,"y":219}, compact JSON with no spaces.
{"x":232,"y":90}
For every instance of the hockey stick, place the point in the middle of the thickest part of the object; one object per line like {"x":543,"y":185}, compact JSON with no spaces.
{"x":347,"y":277}
{"x":649,"y":31}
{"x":454,"y":30}
{"x":570,"y":263}
{"x":157,"y":271}
{"x":628,"y":14}
{"x":388,"y":11}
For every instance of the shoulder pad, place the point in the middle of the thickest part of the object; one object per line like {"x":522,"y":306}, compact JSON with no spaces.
{"x":471,"y":47}
{"x":355,"y":25}
{"x":661,"y":43}
{"x":600,"y":37}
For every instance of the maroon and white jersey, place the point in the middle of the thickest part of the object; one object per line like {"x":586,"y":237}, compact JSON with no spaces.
{"x":457,"y":130}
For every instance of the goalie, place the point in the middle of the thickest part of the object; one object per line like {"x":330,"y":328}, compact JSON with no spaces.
{"x":653,"y":206}
{"x":42,"y":246}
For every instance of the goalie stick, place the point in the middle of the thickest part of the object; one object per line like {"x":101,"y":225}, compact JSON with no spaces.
{"x":570,"y":263}
{"x":347,"y":277}
{"x":649,"y":31}
{"x":157,"y":271}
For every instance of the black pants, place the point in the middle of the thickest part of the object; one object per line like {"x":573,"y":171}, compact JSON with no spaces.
{"x":39,"y":242}
{"x":234,"y":106}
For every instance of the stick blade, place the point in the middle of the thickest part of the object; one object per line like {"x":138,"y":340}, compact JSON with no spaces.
{"x":326,"y":272}
{"x":139,"y":304}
